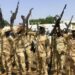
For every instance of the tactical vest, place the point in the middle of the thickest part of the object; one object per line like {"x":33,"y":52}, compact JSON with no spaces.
{"x":61,"y":46}
{"x":41,"y":46}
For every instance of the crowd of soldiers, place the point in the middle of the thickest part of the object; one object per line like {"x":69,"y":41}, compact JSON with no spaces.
{"x":25,"y":52}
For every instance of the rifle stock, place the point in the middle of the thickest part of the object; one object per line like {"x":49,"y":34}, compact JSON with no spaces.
{"x":57,"y":24}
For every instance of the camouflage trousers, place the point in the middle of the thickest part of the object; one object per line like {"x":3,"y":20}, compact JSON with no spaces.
{"x":43,"y":67}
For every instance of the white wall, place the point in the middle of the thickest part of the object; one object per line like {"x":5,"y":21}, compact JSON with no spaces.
{"x":48,"y":27}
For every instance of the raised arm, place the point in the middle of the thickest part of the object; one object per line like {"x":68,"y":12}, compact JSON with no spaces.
{"x":30,"y":11}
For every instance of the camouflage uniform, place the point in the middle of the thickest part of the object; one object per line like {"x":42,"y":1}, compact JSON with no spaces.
{"x":72,"y":45}
{"x":61,"y":44}
{"x":6,"y":54}
{"x":20,"y":53}
{"x":72,"y":49}
{"x":26,"y":56}
{"x":61,"y":48}
{"x":28,"y":53}
{"x":42,"y":54}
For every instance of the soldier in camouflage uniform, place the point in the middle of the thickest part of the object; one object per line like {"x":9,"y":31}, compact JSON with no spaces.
{"x":7,"y":52}
{"x":71,"y":43}
{"x":20,"y":58}
{"x":62,"y":49}
{"x":13,"y":56}
{"x":42,"y":51}
{"x":27,"y":49}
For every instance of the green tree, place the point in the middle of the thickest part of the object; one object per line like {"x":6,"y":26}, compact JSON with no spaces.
{"x":46,"y":20}
{"x":49,"y":19}
{"x":3,"y":23}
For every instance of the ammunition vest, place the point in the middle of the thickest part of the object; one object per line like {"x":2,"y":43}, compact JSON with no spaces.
{"x":61,"y":46}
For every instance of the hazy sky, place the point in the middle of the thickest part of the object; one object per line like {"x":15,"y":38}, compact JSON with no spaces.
{"x":42,"y":8}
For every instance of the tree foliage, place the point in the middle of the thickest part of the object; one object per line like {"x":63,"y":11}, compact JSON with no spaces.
{"x":46,"y":20}
{"x":3,"y":23}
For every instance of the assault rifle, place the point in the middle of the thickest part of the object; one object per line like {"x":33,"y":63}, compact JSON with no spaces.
{"x":68,"y":25}
{"x":25,"y":19}
{"x":14,"y":14}
{"x":56,"y":28}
